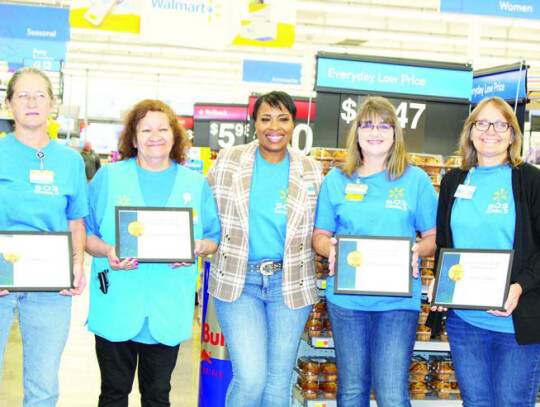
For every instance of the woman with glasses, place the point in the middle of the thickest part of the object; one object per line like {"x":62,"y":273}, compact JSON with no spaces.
{"x":496,"y":354}
{"x":375,"y":193}
{"x":42,"y":189}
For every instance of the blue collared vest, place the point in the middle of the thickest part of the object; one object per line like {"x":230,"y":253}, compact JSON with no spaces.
{"x":154,"y":290}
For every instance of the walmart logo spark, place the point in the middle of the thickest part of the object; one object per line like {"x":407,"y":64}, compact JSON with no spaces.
{"x":284,"y":195}
{"x":396,"y":193}
{"x":500,"y":195}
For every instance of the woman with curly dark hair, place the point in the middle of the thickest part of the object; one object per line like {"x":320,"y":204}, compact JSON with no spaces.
{"x":147,"y":310}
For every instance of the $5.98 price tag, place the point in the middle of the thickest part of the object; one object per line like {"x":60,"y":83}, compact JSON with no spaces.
{"x":227,"y":134}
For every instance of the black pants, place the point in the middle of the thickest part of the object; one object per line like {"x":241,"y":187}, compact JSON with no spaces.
{"x":118,"y":362}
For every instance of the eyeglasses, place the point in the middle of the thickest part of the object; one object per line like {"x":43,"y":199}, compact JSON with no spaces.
{"x":483,"y":125}
{"x":26,"y":96}
{"x":368,"y":127}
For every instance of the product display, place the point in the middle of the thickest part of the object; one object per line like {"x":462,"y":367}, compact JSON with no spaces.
{"x":317,"y":378}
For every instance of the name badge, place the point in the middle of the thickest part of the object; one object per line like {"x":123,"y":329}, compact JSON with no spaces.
{"x":355,"y":192}
{"x":465,"y":191}
{"x":41,"y":177}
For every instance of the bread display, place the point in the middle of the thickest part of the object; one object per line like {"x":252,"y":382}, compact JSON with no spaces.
{"x":329,"y":389}
{"x":423,"y":333}
{"x":321,"y":153}
{"x":314,"y":327}
{"x":419,"y":370}
{"x":340,"y":154}
{"x":418,"y":390}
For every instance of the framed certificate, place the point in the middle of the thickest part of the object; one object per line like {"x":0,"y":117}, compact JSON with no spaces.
{"x":472,"y":279}
{"x":373,"y":265}
{"x":155,"y":235}
{"x":36,"y":261}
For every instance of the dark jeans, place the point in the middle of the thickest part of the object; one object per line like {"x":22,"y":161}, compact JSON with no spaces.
{"x":492,"y":370}
{"x":373,"y":349}
{"x":118,"y":362}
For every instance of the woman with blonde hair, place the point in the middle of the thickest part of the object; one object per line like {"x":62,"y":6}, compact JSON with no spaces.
{"x":496,"y":354}
{"x":375,"y":193}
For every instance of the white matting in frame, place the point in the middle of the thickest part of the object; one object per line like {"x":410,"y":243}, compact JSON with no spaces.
{"x":472,"y":279}
{"x":36,"y":261}
{"x":155,"y":234}
{"x":373,"y":265}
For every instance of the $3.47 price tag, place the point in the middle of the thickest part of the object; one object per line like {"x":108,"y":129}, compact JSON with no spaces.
{"x":405,"y":111}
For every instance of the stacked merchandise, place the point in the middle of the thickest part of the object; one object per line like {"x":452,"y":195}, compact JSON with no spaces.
{"x":318,"y":324}
{"x":317,"y":378}
{"x":434,"y":377}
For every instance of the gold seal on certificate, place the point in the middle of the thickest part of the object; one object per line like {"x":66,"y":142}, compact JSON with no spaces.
{"x":136,"y":228}
{"x":35,"y":261}
{"x":373,"y":265}
{"x":12,"y":257}
{"x":355,"y":259}
{"x":155,"y":234}
{"x":472,"y":279}
{"x":456,"y":272}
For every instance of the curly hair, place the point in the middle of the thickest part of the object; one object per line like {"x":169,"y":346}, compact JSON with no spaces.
{"x":127,"y":149}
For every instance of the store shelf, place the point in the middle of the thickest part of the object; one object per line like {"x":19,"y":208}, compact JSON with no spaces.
{"x":319,"y":402}
{"x":431,"y":346}
{"x":321,"y":342}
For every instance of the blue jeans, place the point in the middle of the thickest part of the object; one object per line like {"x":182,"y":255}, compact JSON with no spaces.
{"x":44,"y":320}
{"x":373,"y":349}
{"x":262,"y":335}
{"x":492,"y":370}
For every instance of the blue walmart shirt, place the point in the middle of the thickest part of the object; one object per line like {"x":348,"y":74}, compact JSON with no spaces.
{"x":390,"y":208}
{"x":487,"y":221}
{"x":268,"y":209}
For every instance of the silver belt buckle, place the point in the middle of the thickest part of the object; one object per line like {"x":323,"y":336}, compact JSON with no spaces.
{"x":263,"y":268}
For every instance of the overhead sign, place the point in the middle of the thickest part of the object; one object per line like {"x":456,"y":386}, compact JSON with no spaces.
{"x":220,"y":112}
{"x":497,"y":8}
{"x":387,"y":77}
{"x":34,"y":23}
{"x":268,"y":25}
{"x":502,"y":84}
{"x":284,"y":73}
{"x":19,"y":51}
{"x":201,"y":24}
{"x":106,"y":15}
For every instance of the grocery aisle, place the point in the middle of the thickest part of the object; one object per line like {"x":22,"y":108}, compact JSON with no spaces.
{"x":79,"y":372}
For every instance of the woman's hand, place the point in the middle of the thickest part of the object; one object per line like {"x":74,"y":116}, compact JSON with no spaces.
{"x":430,"y":297}
{"x":79,"y":281}
{"x":203,"y":248}
{"x":332,"y":255}
{"x":115,"y":263}
{"x":3,"y":292}
{"x":511,"y":303}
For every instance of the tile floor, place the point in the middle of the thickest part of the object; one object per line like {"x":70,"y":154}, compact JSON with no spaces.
{"x":79,"y":372}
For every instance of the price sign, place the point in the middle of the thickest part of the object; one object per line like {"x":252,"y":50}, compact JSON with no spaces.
{"x":227,"y":134}
{"x":220,"y":126}
{"x":43,"y":64}
{"x":411,"y":116}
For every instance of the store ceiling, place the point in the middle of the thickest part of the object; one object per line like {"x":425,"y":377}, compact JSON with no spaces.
{"x":415,"y":30}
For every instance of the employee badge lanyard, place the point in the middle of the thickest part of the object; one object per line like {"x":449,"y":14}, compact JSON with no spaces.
{"x":41,"y":176}
{"x":466,"y":191}
{"x":356,"y":191}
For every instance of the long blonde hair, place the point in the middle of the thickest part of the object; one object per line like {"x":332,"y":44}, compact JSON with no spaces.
{"x":396,"y":161}
{"x":467,"y":151}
